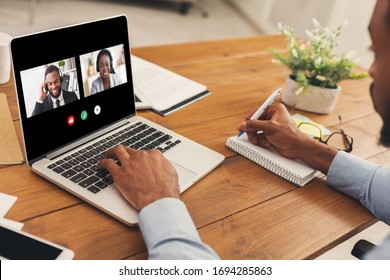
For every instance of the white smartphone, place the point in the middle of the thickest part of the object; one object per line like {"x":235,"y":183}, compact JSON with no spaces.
{"x":19,"y":245}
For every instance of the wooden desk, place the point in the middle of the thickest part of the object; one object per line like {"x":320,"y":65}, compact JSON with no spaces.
{"x":241,"y":210}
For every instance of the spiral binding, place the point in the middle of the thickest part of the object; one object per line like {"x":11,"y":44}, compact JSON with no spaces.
{"x":263,"y":161}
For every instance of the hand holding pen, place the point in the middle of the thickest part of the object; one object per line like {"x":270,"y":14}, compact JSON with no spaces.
{"x":263,"y":107}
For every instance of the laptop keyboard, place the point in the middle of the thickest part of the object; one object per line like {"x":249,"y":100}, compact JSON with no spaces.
{"x":81,"y":166}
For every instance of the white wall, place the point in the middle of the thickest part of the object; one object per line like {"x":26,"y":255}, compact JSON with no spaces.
{"x":265,"y":14}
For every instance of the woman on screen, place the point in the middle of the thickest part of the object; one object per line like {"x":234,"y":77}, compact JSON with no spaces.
{"x":107,"y":77}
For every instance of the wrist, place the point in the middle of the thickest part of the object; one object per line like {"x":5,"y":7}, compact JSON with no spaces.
{"x":147,"y":200}
{"x":316,"y":154}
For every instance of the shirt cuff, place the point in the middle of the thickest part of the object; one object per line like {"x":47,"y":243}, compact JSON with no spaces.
{"x":170,"y":233}
{"x":167,"y":215}
{"x":350,"y":174}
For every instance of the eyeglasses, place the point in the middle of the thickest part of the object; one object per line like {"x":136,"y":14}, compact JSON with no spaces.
{"x":337,"y":140}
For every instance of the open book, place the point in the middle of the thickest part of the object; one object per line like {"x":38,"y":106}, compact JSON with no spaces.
{"x":162,"y":90}
{"x":295,"y":171}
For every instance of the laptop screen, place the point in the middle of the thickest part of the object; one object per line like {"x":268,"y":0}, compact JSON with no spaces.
{"x":71,"y":82}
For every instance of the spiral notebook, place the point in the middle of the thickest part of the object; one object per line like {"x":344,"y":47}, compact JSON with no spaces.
{"x":289,"y":169}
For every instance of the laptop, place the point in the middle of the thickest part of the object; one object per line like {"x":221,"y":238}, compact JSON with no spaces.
{"x":65,"y":140}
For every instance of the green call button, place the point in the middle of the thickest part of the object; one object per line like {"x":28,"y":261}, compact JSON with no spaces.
{"x":84,"y":115}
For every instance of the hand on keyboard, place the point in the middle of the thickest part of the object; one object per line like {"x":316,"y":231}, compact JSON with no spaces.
{"x":143,"y":176}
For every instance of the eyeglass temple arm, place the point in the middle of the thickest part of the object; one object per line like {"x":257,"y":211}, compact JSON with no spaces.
{"x":345,"y":139}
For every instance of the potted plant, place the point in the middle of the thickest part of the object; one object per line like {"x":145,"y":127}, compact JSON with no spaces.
{"x":315,"y":67}
{"x":91,"y":67}
{"x":61,"y":64}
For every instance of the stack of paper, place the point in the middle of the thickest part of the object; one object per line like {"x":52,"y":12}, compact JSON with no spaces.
{"x":6,"y":202}
{"x":162,"y":90}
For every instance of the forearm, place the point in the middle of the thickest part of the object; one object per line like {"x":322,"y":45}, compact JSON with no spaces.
{"x":315,"y":154}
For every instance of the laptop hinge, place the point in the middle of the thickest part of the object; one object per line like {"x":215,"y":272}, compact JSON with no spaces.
{"x":85,"y":139}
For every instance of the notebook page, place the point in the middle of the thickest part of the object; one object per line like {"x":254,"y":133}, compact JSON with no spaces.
{"x":292,"y":170}
{"x":161,"y":86}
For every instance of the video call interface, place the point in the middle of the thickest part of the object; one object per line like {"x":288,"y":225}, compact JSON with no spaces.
{"x":72,"y":87}
{"x":50,"y":86}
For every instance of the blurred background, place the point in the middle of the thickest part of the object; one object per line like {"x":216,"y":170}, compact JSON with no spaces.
{"x":157,"y":22}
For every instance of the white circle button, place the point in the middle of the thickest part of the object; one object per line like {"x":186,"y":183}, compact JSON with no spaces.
{"x":97,"y":110}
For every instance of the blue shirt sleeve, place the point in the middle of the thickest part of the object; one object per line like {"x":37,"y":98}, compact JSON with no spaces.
{"x":368,"y":183}
{"x":170,"y":233}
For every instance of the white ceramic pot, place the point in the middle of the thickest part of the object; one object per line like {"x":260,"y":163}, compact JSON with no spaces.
{"x":313,"y":99}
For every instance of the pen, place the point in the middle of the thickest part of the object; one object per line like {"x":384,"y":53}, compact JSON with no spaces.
{"x":263,"y":107}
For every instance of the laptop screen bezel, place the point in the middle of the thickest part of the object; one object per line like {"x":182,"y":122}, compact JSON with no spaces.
{"x":49,"y":131}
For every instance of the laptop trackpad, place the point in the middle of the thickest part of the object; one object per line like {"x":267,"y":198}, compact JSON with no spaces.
{"x":186,"y":177}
